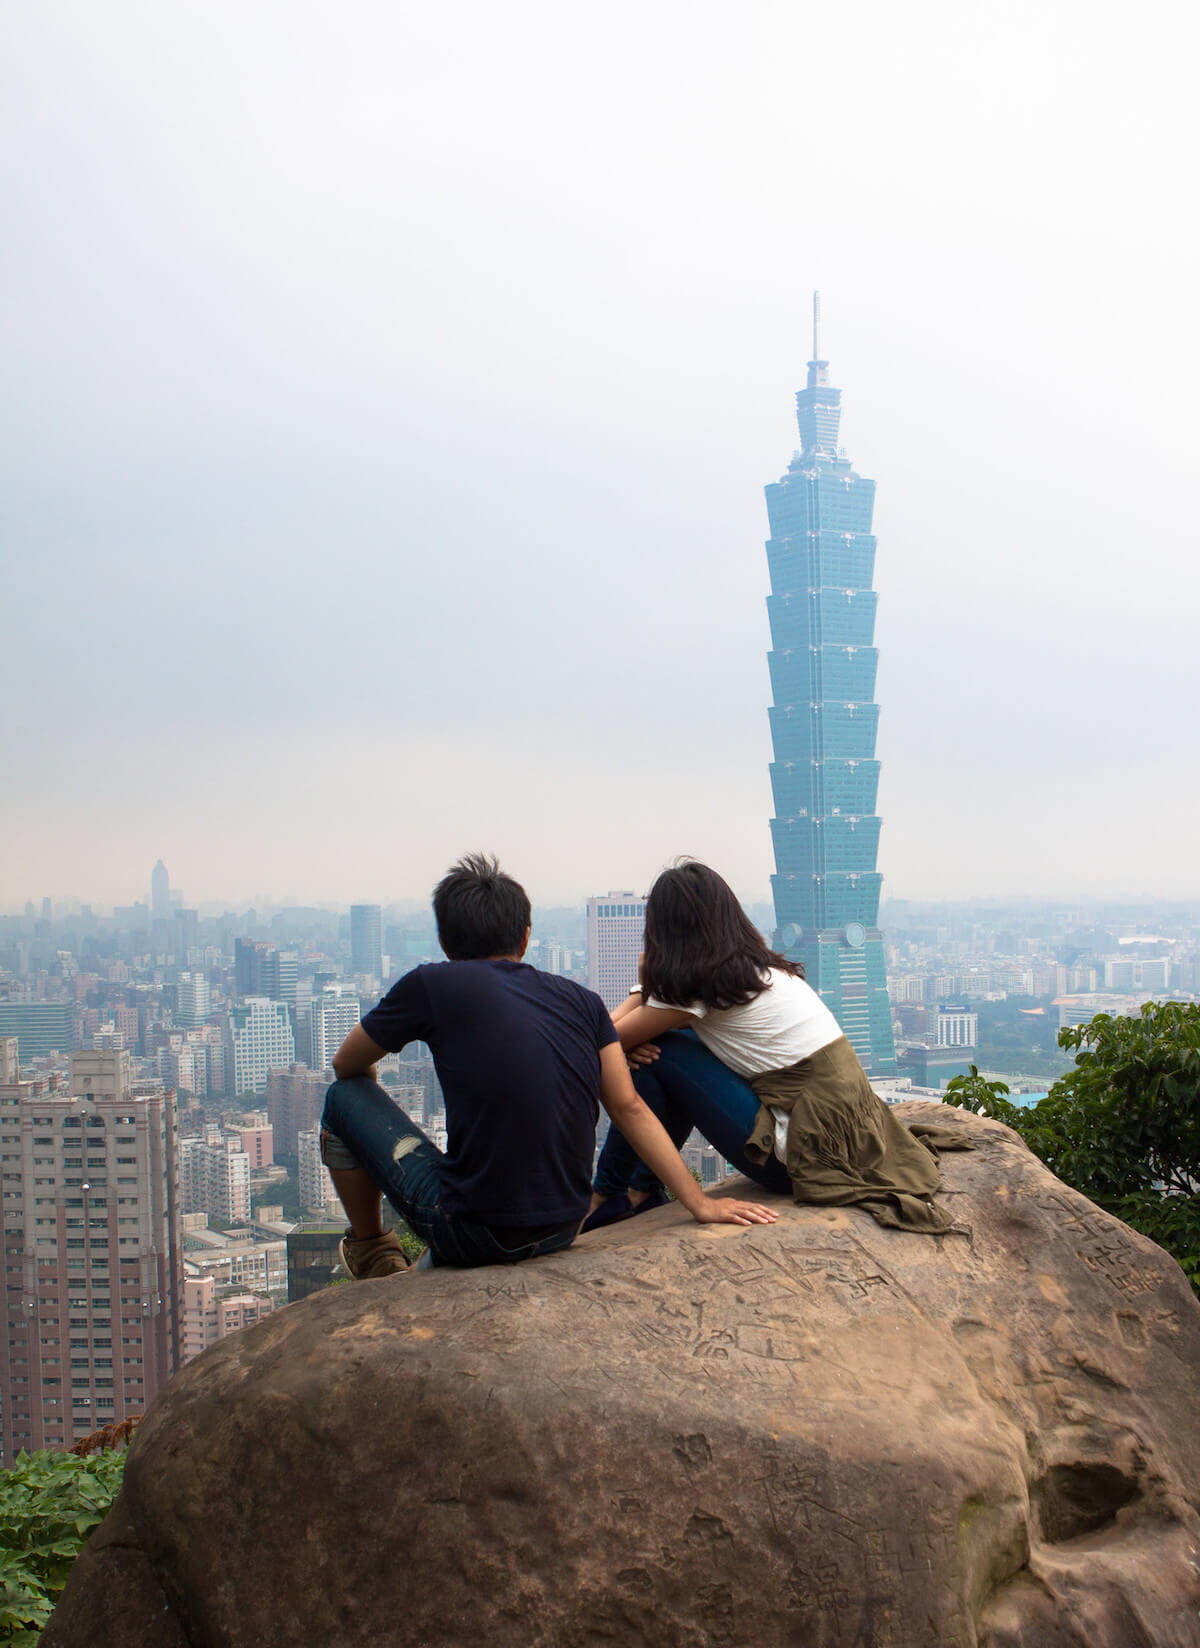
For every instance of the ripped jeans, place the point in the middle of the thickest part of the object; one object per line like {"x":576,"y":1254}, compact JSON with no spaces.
{"x":362,"y":1126}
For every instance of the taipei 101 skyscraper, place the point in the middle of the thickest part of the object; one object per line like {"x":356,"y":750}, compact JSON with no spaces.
{"x":825,"y":778}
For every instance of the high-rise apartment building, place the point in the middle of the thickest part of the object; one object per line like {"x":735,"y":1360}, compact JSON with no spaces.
{"x":335,"y":1012}
{"x":125,"y":1020}
{"x":259,"y":1039}
{"x":214,"y":1177}
{"x":824,"y":778}
{"x":366,"y":940}
{"x":91,"y":1250}
{"x":193,"y":1000}
{"x":616,"y":925}
{"x":295,"y":1099}
{"x":183,"y":1065}
{"x":257,"y":1136}
{"x":317,"y":1194}
{"x":212,"y":1037}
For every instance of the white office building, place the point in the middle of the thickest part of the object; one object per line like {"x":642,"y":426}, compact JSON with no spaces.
{"x":957,"y":1027}
{"x":615,"y":927}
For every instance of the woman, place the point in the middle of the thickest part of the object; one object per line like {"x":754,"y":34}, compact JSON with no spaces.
{"x":768,"y":1077}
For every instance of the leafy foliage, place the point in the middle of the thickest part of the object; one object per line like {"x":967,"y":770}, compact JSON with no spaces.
{"x":412,"y":1245}
{"x":1139,"y":1082}
{"x":983,"y":1098}
{"x":1123,"y":1125}
{"x":49,"y":1504}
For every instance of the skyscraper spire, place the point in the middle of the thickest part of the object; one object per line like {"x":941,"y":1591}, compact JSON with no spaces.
{"x":818,"y":405}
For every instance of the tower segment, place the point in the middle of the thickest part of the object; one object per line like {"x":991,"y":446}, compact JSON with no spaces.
{"x":824,"y":777}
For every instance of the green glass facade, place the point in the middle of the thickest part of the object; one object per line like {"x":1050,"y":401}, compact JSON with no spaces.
{"x":825,"y":778}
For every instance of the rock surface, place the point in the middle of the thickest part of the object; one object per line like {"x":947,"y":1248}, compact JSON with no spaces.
{"x":821,"y":1433}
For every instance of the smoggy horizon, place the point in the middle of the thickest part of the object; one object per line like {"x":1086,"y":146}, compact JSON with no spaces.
{"x":389,"y":401}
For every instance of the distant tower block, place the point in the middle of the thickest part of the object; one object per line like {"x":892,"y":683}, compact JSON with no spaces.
{"x":366,"y":940}
{"x":825,"y":778}
{"x":160,"y":893}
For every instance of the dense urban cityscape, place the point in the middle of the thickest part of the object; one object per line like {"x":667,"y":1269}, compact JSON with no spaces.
{"x":163,"y":1066}
{"x":164,"y":1069}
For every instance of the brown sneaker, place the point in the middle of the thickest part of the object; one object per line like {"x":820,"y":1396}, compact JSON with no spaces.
{"x":372,"y":1256}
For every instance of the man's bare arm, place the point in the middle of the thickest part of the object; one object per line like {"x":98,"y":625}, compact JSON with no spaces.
{"x":358,"y":1055}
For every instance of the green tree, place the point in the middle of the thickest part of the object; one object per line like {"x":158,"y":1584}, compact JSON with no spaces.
{"x":1123,"y":1125}
{"x":49,"y":1504}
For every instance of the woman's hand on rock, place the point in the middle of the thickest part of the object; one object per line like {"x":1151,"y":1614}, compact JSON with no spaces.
{"x":725,"y":1211}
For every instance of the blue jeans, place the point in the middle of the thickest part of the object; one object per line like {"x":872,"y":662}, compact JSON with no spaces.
{"x":688,"y":1087}
{"x":363,"y":1126}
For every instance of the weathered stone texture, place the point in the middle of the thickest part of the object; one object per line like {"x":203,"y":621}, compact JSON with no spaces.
{"x":822,"y":1433}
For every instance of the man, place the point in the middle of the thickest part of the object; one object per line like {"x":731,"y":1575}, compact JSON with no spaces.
{"x":522,"y":1057}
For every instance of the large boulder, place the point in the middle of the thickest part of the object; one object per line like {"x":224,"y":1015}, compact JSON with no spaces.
{"x":821,"y":1433}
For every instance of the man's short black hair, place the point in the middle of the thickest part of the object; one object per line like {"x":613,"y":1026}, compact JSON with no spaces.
{"x":480,"y":911}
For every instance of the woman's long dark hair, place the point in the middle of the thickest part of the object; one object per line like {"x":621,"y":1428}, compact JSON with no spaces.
{"x":700,"y":943}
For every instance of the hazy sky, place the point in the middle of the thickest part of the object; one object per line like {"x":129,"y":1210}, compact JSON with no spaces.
{"x":389,"y":390}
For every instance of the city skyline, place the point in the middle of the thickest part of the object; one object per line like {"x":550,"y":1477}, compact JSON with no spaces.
{"x":398,"y":438}
{"x":68,"y":905}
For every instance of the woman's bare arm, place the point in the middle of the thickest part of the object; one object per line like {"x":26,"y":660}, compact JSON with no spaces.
{"x":632,"y":1000}
{"x":638,"y":1024}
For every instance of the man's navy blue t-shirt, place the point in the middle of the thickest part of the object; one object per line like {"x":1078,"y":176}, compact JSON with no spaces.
{"x":518,"y":1055}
